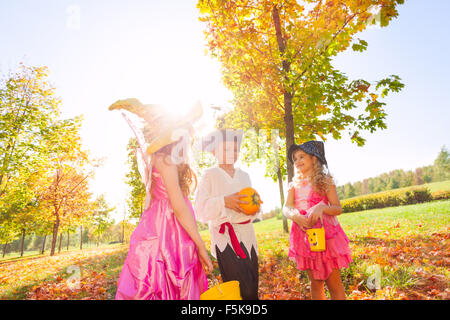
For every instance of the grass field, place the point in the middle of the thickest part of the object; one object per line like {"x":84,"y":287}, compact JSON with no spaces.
{"x":407,"y":247}
{"x":37,"y":253}
{"x":436,"y":186}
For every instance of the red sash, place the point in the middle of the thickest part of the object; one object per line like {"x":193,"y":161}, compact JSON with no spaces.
{"x":234,"y":240}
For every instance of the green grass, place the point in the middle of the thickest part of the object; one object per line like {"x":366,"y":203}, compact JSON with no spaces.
{"x":400,"y":221}
{"x":437,"y":186}
{"x":269,"y":225}
{"x":15,"y":256}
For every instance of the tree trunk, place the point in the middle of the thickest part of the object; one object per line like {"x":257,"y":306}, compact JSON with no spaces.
{"x":60,"y":242}
{"x":55,"y":237}
{"x":68,"y":240}
{"x":81,"y":237}
{"x":4,"y":249}
{"x":43,"y":245}
{"x":98,"y":240}
{"x":22,"y":244}
{"x":280,"y":185}
{"x":123,"y":231}
{"x":288,"y":118}
{"x":289,"y":122}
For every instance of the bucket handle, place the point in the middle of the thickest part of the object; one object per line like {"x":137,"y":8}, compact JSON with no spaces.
{"x":321,"y":219}
{"x":218,"y":285}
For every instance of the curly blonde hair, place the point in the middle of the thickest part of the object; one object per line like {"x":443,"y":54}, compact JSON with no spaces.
{"x":320,"y":180}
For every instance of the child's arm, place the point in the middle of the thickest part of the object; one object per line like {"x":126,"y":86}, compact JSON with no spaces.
{"x":288,"y":209}
{"x":290,"y":212}
{"x":183,"y":214}
{"x":333,"y":208}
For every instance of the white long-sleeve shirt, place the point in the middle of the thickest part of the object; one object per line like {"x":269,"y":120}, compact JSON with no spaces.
{"x":209,"y":206}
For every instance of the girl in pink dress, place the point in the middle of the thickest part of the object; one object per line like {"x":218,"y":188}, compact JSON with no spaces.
{"x":311,"y":197}
{"x":166,"y":256}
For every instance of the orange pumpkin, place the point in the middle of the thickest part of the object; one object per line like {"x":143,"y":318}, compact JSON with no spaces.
{"x":253,"y":199}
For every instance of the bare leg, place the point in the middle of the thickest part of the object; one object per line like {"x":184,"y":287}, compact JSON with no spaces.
{"x":317,"y":287}
{"x":335,"y":286}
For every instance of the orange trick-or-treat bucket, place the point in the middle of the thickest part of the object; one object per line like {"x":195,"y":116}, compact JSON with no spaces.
{"x":316,"y":238}
{"x":224,"y":291}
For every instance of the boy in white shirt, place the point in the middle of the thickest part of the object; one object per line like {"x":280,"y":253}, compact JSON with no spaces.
{"x":233,"y":240}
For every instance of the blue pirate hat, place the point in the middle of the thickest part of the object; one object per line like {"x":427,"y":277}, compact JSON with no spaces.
{"x":314,"y":148}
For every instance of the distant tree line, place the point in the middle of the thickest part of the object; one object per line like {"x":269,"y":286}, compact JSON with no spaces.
{"x":438,"y":171}
{"x":114,"y":233}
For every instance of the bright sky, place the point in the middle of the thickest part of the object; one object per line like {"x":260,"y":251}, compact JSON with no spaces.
{"x":101,"y":51}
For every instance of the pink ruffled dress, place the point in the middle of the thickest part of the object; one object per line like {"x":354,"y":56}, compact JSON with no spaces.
{"x":162,"y":262}
{"x":337,"y":254}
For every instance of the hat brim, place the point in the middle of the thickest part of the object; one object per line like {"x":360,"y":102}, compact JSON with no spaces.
{"x":174,"y":132}
{"x":294,"y":147}
{"x":149,"y":113}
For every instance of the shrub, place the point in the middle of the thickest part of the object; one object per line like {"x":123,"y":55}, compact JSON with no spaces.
{"x":275,"y":212}
{"x":391,"y":198}
{"x":418,"y":195}
{"x":441,"y":195}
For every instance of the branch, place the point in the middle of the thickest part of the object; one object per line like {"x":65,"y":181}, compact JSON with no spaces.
{"x":321,"y":53}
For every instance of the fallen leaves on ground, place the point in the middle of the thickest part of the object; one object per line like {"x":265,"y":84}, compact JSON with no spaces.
{"x":90,"y":287}
{"x":47,"y":277}
{"x":410,"y":268}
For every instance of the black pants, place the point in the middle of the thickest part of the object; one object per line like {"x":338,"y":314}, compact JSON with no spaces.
{"x":245,"y":270}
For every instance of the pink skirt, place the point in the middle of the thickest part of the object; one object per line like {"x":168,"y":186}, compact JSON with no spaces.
{"x":336,"y":256}
{"x":162,"y":262}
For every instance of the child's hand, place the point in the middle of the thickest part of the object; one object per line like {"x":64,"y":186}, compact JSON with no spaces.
{"x":205,"y":260}
{"x":233,"y":200}
{"x":315,"y":214}
{"x":301,"y":221}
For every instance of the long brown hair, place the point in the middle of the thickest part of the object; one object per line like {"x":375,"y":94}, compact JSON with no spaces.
{"x":186,"y":176}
